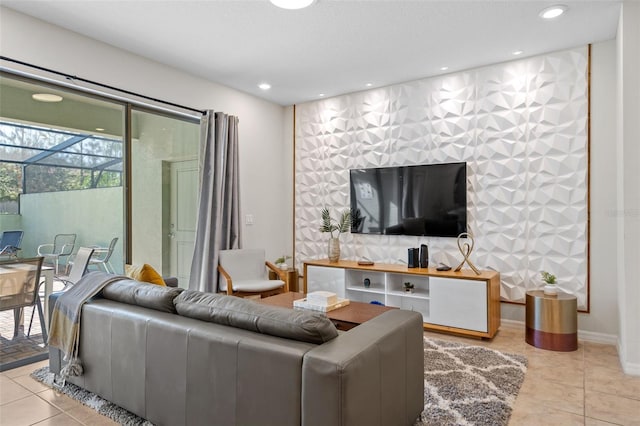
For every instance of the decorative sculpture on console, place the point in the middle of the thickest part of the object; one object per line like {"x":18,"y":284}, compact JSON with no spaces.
{"x":466,"y":250}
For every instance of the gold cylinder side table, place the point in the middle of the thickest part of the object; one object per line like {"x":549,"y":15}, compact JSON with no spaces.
{"x":552,"y":321}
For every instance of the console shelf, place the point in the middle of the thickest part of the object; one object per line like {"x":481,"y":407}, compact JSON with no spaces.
{"x":456,"y":302}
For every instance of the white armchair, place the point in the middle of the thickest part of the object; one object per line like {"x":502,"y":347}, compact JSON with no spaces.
{"x":243,"y":272}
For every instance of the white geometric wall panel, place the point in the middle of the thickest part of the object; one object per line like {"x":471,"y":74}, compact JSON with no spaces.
{"x":520,"y":126}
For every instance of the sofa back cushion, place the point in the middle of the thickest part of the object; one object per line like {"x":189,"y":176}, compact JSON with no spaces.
{"x":159,"y":298}
{"x":242,"y":313}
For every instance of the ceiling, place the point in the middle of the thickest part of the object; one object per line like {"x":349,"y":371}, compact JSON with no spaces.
{"x":332,"y":47}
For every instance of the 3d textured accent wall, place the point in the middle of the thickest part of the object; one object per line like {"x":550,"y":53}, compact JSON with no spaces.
{"x":521,"y":127}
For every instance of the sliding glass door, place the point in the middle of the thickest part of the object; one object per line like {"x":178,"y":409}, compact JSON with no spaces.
{"x":164,"y":182}
{"x":61,"y":161}
{"x":62,"y":171}
{"x":64,"y":158}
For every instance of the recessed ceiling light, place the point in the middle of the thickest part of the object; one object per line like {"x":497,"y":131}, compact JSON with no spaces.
{"x":292,"y":4}
{"x":46,"y":97}
{"x":553,"y":11}
{"x":369,"y":84}
{"x":321,"y":95}
{"x":264,"y":86}
{"x":517,"y":52}
{"x":444,"y":68}
{"x":100,"y":129}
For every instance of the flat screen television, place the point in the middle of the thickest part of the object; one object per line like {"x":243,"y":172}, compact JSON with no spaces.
{"x":425,"y":200}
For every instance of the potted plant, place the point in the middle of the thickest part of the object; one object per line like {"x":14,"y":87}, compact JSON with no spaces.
{"x":550,"y":283}
{"x":281,"y":262}
{"x":331,"y":225}
{"x":408,"y":287}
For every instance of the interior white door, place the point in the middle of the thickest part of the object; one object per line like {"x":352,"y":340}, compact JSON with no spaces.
{"x":182,"y":226}
{"x":458,"y":303}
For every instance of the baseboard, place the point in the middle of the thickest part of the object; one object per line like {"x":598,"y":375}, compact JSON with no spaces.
{"x":587,"y":336}
{"x":630,"y":368}
{"x":593,"y":337}
{"x":511,"y":324}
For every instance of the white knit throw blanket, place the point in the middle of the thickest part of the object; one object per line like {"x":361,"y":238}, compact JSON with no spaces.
{"x":64,"y":332}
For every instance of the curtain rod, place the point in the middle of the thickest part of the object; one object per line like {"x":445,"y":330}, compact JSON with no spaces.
{"x":106,"y":86}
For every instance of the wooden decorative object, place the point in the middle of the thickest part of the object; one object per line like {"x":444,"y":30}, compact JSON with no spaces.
{"x":466,"y":250}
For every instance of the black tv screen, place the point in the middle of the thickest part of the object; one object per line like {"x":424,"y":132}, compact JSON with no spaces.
{"x":429,"y":200}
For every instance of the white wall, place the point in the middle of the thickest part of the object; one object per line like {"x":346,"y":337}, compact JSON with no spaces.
{"x":10,"y":222}
{"x":94,"y":215}
{"x":628,"y":186}
{"x":522,"y":131}
{"x":261,"y":129}
{"x":601,"y":324}
{"x":604,"y":305}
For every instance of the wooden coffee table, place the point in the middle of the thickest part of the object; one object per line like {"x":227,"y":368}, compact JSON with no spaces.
{"x":345,"y":318}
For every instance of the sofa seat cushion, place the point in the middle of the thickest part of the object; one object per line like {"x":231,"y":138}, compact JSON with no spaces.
{"x":152,"y":296}
{"x":242,"y":313}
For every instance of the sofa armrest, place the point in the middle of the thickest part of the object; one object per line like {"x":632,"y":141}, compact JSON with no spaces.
{"x":170,"y":281}
{"x":372,"y":374}
{"x":279,"y":273}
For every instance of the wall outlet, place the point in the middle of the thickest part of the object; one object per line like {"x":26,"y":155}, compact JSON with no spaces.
{"x":248,"y":219}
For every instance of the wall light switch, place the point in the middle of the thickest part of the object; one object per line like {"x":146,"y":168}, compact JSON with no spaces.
{"x":248,"y":219}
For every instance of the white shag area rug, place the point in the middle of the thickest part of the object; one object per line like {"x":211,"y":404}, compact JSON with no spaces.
{"x":469,"y":385}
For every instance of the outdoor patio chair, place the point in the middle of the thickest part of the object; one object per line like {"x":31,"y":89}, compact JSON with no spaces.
{"x":77,"y":271}
{"x":19,"y":280}
{"x":101,"y":256}
{"x":79,"y":267}
{"x":62,"y":246}
{"x":10,"y":243}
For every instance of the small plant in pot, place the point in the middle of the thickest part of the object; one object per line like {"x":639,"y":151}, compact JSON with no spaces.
{"x":331,"y":225}
{"x":549,"y":283}
{"x":408,"y":287}
{"x":281,"y":262}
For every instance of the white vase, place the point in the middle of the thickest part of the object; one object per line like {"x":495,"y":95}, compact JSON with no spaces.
{"x":334,"y":249}
{"x":550,"y":289}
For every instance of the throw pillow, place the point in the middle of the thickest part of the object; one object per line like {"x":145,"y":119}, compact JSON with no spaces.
{"x":144,"y":273}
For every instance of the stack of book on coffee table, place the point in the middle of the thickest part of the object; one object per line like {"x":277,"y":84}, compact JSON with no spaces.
{"x":322,"y":301}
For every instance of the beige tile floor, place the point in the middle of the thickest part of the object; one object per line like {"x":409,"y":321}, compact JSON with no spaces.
{"x":585,"y":387}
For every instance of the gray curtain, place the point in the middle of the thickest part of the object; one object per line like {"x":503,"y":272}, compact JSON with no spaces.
{"x":218,"y":223}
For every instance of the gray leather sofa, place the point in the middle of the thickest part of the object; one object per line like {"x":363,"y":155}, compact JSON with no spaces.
{"x":179,"y":357}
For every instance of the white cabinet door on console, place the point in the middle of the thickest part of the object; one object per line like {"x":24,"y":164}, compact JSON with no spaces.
{"x":326,"y":279}
{"x":458,"y":303}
